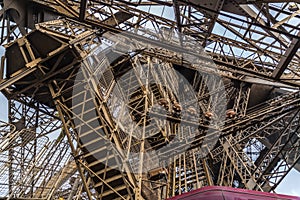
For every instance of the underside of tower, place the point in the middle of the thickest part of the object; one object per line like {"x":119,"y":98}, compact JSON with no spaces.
{"x":147,"y":99}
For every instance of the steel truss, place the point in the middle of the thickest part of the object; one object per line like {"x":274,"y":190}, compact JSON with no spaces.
{"x":65,"y":136}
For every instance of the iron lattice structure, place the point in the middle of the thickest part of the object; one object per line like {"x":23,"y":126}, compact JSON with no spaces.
{"x":77,"y":73}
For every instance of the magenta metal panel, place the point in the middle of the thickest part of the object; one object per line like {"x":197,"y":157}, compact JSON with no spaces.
{"x":228,"y":193}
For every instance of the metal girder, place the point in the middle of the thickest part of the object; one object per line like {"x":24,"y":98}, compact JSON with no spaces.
{"x":31,"y":149}
{"x":286,"y":58}
{"x":82,"y":12}
{"x":257,"y":18}
{"x":242,"y":163}
{"x":270,"y":1}
{"x":133,"y":12}
{"x":229,"y":163}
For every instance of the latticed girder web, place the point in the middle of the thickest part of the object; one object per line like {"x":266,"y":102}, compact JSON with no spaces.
{"x":96,"y":112}
{"x":257,"y":36}
{"x":31,"y":162}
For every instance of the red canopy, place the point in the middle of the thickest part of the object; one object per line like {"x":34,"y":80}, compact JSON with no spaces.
{"x":228,"y":193}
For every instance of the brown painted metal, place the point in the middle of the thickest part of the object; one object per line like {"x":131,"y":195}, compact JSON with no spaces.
{"x":259,"y":140}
